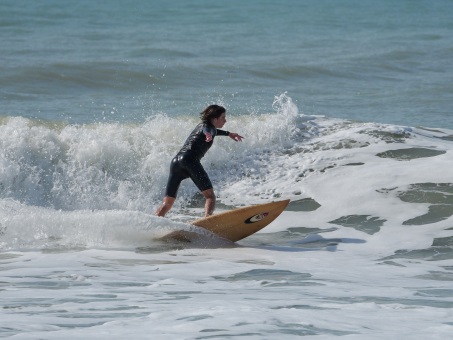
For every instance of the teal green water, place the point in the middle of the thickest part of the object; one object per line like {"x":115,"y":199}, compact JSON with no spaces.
{"x":83,"y":61}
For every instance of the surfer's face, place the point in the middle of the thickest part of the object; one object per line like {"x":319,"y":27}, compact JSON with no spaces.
{"x":219,"y":122}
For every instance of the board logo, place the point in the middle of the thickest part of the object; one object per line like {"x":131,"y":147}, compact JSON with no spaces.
{"x":256,"y":218}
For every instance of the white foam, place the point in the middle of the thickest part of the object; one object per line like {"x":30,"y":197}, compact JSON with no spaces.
{"x":81,"y":257}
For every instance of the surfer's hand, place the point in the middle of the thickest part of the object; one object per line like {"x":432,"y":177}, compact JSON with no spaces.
{"x":236,"y":137}
{"x":208,"y":137}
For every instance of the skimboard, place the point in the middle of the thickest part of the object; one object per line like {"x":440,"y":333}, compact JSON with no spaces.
{"x":234,"y":225}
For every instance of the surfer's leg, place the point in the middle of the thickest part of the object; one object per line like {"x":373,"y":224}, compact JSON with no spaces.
{"x":166,"y":206}
{"x":210,"y":201}
{"x":201,"y":179}
{"x":177,"y":175}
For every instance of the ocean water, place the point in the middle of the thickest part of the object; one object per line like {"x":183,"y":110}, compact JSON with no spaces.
{"x":346,"y":109}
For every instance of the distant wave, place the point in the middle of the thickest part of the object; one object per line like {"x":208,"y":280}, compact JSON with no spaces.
{"x":67,"y":77}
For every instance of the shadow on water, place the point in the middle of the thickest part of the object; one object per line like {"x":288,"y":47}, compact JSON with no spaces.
{"x":290,"y":240}
{"x":296,"y":240}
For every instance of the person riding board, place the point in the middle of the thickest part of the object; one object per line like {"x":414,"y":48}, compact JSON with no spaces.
{"x":186,"y":164}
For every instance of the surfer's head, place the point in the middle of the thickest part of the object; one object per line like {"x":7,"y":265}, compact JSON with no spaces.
{"x":212,"y":112}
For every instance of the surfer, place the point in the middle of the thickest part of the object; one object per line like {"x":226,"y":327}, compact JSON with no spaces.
{"x":186,"y":164}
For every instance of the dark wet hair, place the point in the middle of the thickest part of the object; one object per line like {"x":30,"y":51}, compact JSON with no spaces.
{"x":211,"y":112}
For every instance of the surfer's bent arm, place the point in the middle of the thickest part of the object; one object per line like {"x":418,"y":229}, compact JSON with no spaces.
{"x":212,"y":132}
{"x":209,"y":132}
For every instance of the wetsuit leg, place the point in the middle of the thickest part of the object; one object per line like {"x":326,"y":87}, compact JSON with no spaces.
{"x":177,"y":175}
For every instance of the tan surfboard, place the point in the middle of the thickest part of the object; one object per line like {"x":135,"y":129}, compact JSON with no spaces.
{"x":234,"y":225}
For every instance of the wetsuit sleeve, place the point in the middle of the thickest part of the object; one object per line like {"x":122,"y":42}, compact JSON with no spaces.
{"x":222,"y":133}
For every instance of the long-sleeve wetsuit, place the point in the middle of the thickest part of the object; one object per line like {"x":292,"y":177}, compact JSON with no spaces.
{"x":187,"y":162}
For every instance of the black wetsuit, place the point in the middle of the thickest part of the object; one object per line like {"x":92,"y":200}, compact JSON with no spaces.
{"x":187,"y":162}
